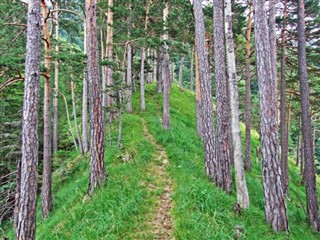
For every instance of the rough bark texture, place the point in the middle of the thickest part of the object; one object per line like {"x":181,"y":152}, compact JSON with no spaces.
{"x":309,"y":171}
{"x":142,"y":82}
{"x":241,"y":185}
{"x":206,"y":95}
{"x":46,"y":194}
{"x":248,"y":90}
{"x":166,"y":73}
{"x":56,"y":88}
{"x":223,"y":121}
{"x":181,"y":71}
{"x":85,"y":142}
{"x":191,"y":70}
{"x":109,"y":101}
{"x":283,"y":107}
{"x":273,"y":46}
{"x":159,"y":72}
{"x":275,"y":207}
{"x":97,"y":165}
{"x":198,"y":100}
{"x":129,"y":78}
{"x":26,"y":223}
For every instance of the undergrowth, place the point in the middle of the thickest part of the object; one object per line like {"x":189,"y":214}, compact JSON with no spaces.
{"x":123,"y":207}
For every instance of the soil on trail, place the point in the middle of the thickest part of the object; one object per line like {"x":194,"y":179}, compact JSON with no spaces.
{"x":162,"y":223}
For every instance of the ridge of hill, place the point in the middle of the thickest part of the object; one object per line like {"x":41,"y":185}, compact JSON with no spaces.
{"x":157,"y":187}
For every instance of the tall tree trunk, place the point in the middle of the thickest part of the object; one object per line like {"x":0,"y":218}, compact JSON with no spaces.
{"x":206,"y":95}
{"x":241,"y":185}
{"x":109,"y":101}
{"x":97,"y":125}
{"x":191,"y":69}
{"x":273,"y":46}
{"x":223,"y":121}
{"x":181,"y":71}
{"x":46,"y":193}
{"x":129,"y":78}
{"x":275,"y":206}
{"x":26,"y":223}
{"x":142,"y":83}
{"x":159,"y":72}
{"x":166,"y":72}
{"x":310,"y":180}
{"x":85,"y":94}
{"x":283,"y":106}
{"x":198,"y":100}
{"x":154,"y":64}
{"x":248,"y":89}
{"x":56,"y":87}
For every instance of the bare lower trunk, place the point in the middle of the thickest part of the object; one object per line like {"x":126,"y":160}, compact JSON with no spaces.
{"x":26,"y":222}
{"x":223,"y":121}
{"x":198,"y":101}
{"x":241,"y":185}
{"x":206,"y":96}
{"x":181,"y":71}
{"x":46,"y":194}
{"x":85,"y":97}
{"x":142,"y":83}
{"x":248,"y":91}
{"x":309,"y":171}
{"x":159,"y":72}
{"x":191,"y":70}
{"x":283,"y":106}
{"x":97,"y":124}
{"x":129,"y":78}
{"x":275,"y":207}
{"x":56,"y":88}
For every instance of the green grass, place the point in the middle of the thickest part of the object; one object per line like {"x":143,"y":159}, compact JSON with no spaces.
{"x":122,"y":208}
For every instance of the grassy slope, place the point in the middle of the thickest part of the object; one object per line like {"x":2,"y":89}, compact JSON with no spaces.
{"x":122,"y":208}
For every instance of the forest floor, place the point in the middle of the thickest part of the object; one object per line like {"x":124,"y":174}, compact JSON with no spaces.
{"x":162,"y":222}
{"x":157,"y":187}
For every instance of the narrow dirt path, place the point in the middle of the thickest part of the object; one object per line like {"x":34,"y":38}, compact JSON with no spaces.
{"x":162,"y":222}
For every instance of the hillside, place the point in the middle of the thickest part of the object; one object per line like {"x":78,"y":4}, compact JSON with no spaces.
{"x":157,"y":188}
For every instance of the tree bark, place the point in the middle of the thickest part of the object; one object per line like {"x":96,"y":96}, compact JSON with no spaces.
{"x":206,"y":95}
{"x":159,"y":72}
{"x":129,"y":78}
{"x":109,"y":101}
{"x":198,"y":100}
{"x":241,"y":185}
{"x":275,"y":206}
{"x":97,"y":125}
{"x":181,"y":71}
{"x":46,"y":193}
{"x":309,"y":171}
{"x":56,"y":88}
{"x":26,"y":223}
{"x":142,"y":82}
{"x":283,"y":107}
{"x":85,"y":94}
{"x":166,"y":72}
{"x":223,"y":121}
{"x":248,"y":90}
{"x":191,"y":70}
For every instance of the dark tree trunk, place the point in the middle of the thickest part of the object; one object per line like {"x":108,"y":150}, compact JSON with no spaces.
{"x":142,"y":82}
{"x":223,"y":109}
{"x":56,"y":88}
{"x":46,"y":193}
{"x":181,"y":71}
{"x":309,"y":171}
{"x":26,"y":223}
{"x":159,"y":72}
{"x":248,"y":90}
{"x":129,"y":78}
{"x":166,"y":72}
{"x":283,"y":106}
{"x":275,"y":207}
{"x":97,"y":125}
{"x":206,"y":94}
